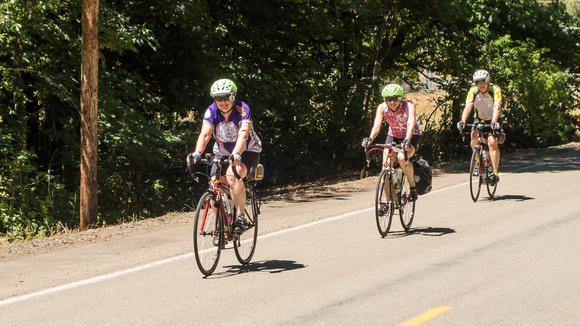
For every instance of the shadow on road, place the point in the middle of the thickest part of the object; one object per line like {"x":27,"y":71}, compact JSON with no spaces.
{"x":555,"y":159}
{"x":428,"y":231}
{"x":511,"y":197}
{"x":270,"y":266}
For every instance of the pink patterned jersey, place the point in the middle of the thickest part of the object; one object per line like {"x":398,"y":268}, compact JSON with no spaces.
{"x":398,"y":121}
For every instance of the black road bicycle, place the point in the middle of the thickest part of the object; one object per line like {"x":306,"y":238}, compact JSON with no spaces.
{"x":393,"y":191}
{"x":480,"y":168}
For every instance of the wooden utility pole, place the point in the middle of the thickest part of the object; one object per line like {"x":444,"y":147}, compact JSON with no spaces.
{"x":89,"y":105}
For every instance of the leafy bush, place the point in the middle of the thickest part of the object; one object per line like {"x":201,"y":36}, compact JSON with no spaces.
{"x":538,"y":95}
{"x":31,"y":202}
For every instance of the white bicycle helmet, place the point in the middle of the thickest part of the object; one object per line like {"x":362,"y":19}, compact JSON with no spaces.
{"x":480,"y":75}
{"x":223,"y":86}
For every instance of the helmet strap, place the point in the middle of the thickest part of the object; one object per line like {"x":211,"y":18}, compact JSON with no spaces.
{"x":397,"y":109}
{"x":228,"y":111}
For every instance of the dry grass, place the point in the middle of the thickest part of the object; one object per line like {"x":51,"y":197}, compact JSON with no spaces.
{"x":425,"y":103}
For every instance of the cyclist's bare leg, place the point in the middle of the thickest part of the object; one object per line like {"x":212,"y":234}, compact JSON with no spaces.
{"x":407,"y":167}
{"x":385,"y":160}
{"x":493,"y":152}
{"x":474,"y":139}
{"x":385,"y":165}
{"x":237,"y":187}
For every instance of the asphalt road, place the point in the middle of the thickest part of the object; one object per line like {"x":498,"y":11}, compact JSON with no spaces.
{"x":514,"y":260}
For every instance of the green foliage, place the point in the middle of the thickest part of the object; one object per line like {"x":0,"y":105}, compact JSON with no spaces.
{"x":31,"y":202}
{"x":539,"y":99}
{"x":531,"y":56}
{"x":310,"y":70}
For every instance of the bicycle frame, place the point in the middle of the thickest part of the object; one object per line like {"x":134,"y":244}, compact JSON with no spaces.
{"x":481,"y":146}
{"x":390,"y":170}
{"x":218,"y":190}
{"x":393,"y":190}
{"x":484,"y":167}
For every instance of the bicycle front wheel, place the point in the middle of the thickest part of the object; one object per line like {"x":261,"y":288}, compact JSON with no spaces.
{"x":475,"y":176}
{"x":490,"y":187}
{"x":407,"y":207}
{"x":384,"y":203}
{"x":207,"y":239}
{"x":245,"y":243}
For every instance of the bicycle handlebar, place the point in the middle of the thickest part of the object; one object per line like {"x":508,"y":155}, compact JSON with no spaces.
{"x":483,"y":127}
{"x":210,"y":159}
{"x":397,"y":148}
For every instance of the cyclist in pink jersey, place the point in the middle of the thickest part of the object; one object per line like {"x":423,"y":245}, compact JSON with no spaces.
{"x":403,"y":128}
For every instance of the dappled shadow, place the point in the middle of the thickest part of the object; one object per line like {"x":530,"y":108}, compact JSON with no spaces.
{"x":426,"y":231}
{"x":310,"y":196}
{"x":512,"y":197}
{"x":544,"y":165}
{"x":556,"y":159}
{"x":313,"y":197}
{"x":268,"y":266}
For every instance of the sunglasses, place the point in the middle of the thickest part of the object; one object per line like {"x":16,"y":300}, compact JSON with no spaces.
{"x":481,"y":81}
{"x":393,"y":99}
{"x":221,"y":98}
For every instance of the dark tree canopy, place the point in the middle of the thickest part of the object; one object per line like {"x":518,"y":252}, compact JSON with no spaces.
{"x":310,"y":70}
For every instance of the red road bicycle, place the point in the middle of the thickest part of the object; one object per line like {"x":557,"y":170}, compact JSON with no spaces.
{"x":213,"y":225}
{"x":393,"y":191}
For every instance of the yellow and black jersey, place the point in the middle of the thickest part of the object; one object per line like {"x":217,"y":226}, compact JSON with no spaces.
{"x":484,"y":102}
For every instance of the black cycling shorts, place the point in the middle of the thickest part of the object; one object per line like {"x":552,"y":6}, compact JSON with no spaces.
{"x":476,"y":120}
{"x":415,"y":141}
{"x":250,"y":160}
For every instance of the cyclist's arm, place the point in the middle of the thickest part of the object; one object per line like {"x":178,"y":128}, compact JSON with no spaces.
{"x":411,"y":120}
{"x":204,"y":138}
{"x":496,"y":111}
{"x":378,"y":120}
{"x":467,"y":111}
{"x":497,"y":99}
{"x":243,"y":135}
{"x":468,"y":104}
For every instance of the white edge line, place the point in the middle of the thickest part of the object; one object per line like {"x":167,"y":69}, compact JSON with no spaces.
{"x":91,"y":280}
{"x":170,"y":260}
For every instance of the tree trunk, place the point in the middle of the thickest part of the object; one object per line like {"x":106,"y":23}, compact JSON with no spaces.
{"x":89,"y":105}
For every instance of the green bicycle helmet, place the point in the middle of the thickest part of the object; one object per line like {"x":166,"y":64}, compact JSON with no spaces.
{"x":392,"y":90}
{"x":223,"y":86}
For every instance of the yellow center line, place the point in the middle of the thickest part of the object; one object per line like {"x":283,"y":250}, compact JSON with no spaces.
{"x":426,"y":316}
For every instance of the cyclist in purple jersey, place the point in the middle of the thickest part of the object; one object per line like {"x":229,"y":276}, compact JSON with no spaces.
{"x":230,"y":122}
{"x":403,"y":129}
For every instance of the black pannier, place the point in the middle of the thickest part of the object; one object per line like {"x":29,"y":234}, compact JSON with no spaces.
{"x":423,"y":176}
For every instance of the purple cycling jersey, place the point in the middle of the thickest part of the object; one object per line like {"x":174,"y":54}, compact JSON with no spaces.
{"x":226,"y":132}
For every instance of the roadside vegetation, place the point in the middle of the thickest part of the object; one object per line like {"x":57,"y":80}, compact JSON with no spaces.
{"x":310,"y":70}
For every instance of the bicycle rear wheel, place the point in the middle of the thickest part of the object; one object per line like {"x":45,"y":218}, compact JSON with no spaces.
{"x":475,"y":176}
{"x":206,"y":227}
{"x":384,"y":203}
{"x":245,"y":243}
{"x":407,"y":207}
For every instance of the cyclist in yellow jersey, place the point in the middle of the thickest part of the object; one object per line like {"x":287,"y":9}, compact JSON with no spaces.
{"x":486,"y":98}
